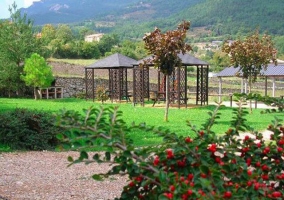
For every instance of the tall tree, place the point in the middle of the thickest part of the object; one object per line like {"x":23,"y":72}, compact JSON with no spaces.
{"x":17,"y":43}
{"x":252,"y":55}
{"x":107,"y":42}
{"x":64,"y":34}
{"x":37,"y":73}
{"x":48,"y":33}
{"x":219,"y":61}
{"x":165,"y":48}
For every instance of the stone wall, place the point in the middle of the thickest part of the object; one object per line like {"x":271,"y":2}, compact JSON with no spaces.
{"x":74,"y":86}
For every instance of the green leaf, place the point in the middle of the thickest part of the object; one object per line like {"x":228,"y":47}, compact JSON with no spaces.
{"x":70,"y":159}
{"x":60,"y":136}
{"x":204,"y":169}
{"x":83,"y":155}
{"x":107,"y":156}
{"x":97,"y":177}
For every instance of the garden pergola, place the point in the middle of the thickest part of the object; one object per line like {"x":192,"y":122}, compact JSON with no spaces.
{"x":177,"y":82}
{"x":117,"y":66}
{"x":272,"y":72}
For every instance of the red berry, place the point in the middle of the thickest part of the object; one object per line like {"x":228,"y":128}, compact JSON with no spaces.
{"x":189,"y":192}
{"x":201,"y":133}
{"x":181,"y":163}
{"x":265,"y":168}
{"x":169,"y":195}
{"x":266,"y":150}
{"x":246,"y":138}
{"x":218,"y":159}
{"x":190,"y":177}
{"x":203,"y":175}
{"x":249,"y":183}
{"x":227,"y":195}
{"x":249,"y":172}
{"x":276,"y":194}
{"x":281,"y":142}
{"x":212,"y":148}
{"x":172,"y":188}
{"x":156,"y":161}
{"x":188,"y":140}
{"x":170,"y":153}
{"x":256,"y":186}
{"x":265,"y":177}
{"x":131,"y":184}
{"x":248,"y":161}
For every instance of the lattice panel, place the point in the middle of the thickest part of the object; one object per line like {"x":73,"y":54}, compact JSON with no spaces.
{"x":202,"y":85}
{"x":123,"y":82}
{"x":89,"y":78}
{"x":138,"y":96}
{"x":183,"y":86}
{"x":146,"y":82}
{"x":114,"y":83}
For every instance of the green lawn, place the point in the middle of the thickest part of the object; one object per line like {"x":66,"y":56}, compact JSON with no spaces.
{"x":153,"y":116}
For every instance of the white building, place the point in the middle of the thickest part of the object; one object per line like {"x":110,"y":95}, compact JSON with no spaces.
{"x":94,"y":37}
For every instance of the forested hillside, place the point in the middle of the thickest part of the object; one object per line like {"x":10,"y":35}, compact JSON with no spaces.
{"x":132,"y":18}
{"x":222,"y":17}
{"x":233,"y":16}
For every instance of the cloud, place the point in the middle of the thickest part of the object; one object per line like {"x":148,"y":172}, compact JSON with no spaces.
{"x":4,"y":6}
{"x":28,"y":3}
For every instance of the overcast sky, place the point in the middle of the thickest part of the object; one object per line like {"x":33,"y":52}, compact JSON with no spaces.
{"x":4,"y":6}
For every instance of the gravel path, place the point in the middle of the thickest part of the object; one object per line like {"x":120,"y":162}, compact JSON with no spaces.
{"x":45,"y":176}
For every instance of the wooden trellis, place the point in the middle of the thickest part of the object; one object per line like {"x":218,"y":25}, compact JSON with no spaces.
{"x":117,"y":66}
{"x":177,"y":82}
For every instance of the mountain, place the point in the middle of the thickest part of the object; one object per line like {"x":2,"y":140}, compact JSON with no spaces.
{"x":69,"y":11}
{"x":132,"y":18}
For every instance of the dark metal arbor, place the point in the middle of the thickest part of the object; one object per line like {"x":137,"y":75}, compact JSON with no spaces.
{"x":117,"y":66}
{"x":177,"y":82}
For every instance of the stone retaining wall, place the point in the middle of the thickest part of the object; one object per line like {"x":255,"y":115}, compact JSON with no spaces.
{"x":74,"y":86}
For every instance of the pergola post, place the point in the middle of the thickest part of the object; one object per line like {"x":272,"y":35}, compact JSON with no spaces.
{"x":242,"y":85}
{"x":265,"y":90}
{"x":220,"y":89}
{"x":93,"y":84}
{"x":273,"y":87}
{"x":246,"y":86}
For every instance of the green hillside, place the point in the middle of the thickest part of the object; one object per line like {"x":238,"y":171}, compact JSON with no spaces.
{"x":222,"y":17}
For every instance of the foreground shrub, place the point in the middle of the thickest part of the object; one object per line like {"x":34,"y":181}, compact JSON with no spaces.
{"x":23,"y":129}
{"x":208,"y":166}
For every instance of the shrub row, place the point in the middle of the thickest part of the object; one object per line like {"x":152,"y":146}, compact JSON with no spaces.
{"x":209,"y":166}
{"x":23,"y":129}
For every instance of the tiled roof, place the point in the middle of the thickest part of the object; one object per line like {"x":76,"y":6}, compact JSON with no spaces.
{"x":271,"y":70}
{"x":114,"y":61}
{"x":187,"y":60}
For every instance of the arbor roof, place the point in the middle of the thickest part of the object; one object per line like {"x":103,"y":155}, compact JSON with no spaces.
{"x":187,"y":60}
{"x":271,"y":71}
{"x":113,"y":61}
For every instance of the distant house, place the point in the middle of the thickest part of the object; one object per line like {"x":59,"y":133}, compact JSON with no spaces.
{"x":216,"y":44}
{"x":94,"y":37}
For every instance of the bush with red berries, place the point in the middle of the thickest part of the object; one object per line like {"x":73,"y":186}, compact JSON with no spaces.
{"x":209,"y":166}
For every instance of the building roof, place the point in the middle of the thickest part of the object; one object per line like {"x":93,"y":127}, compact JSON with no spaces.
{"x":187,"y":60}
{"x":271,"y":71}
{"x":113,"y":61}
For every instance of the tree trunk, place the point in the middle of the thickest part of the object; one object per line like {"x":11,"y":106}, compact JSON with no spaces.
{"x":36,"y":94}
{"x":250,"y":106}
{"x":167,"y":99}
